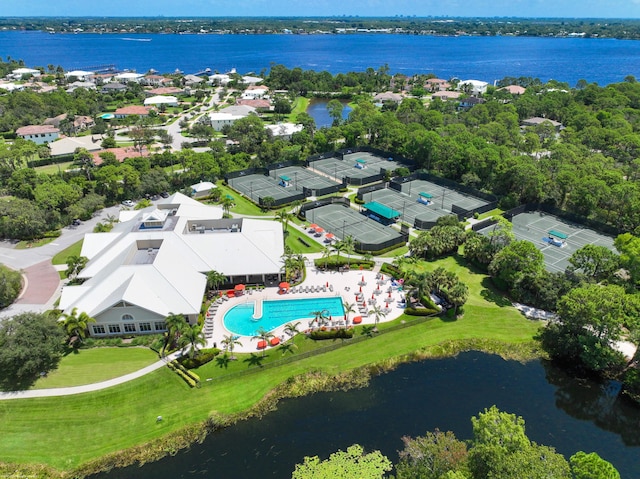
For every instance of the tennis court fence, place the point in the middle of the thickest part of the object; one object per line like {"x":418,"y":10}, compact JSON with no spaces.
{"x":565,"y":215}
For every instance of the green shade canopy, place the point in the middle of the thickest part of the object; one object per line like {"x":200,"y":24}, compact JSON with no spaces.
{"x":382,"y":210}
{"x":425,"y":195}
{"x":558,"y":234}
{"x":361,"y":161}
{"x":285,"y":178}
{"x":228,"y":196}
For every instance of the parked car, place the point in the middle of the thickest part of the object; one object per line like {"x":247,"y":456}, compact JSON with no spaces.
{"x":128,"y":203}
{"x":76,"y":222}
{"x":164,"y":194}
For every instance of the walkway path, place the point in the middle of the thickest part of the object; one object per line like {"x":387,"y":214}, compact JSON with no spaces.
{"x":39,"y":393}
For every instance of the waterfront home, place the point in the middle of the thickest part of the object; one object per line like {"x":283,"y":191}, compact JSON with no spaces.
{"x":79,"y":75}
{"x":154,"y":263}
{"x":113,"y":88}
{"x":128,"y":77}
{"x":20,"y":73}
{"x":473,"y":87}
{"x":436,"y":84}
{"x":39,"y":134}
{"x":156,"y":81}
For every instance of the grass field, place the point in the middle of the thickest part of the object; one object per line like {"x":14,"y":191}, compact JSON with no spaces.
{"x":242,"y":205}
{"x":73,"y":250}
{"x":86,"y":366}
{"x":25,"y":244}
{"x":53,"y":169}
{"x":293,"y":241}
{"x":51,"y":430}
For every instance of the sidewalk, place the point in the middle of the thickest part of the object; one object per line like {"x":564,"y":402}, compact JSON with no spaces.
{"x":39,"y":393}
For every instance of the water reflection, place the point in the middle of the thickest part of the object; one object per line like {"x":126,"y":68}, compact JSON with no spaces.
{"x":317,"y":109}
{"x":559,"y":411}
{"x":599,"y":402}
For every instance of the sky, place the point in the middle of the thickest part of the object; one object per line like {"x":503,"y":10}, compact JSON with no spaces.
{"x":365,"y":8}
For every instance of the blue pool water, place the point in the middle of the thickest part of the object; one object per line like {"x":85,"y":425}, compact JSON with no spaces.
{"x":239,"y":319}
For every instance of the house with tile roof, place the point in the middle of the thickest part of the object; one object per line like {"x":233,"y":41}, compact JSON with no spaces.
{"x":39,"y":134}
{"x":131,"y":110}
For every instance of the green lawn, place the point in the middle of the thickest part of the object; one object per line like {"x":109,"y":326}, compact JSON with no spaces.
{"x":73,"y":250}
{"x":242,"y":205}
{"x":50,"y":430}
{"x":53,"y":169}
{"x":293,"y":241}
{"x":26,"y":244}
{"x":490,"y":214}
{"x":300,"y":105}
{"x":88,"y":366}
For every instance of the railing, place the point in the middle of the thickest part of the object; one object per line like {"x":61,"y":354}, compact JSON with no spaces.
{"x":316,"y":352}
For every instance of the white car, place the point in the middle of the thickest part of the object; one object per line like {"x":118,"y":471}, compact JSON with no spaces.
{"x":128,"y":203}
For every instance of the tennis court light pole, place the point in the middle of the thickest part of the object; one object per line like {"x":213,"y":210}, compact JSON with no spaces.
{"x":251,"y":190}
{"x":443,"y":192}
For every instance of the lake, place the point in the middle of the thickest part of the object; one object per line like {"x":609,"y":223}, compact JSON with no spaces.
{"x":317,"y":109}
{"x":484,"y":58}
{"x":559,"y":411}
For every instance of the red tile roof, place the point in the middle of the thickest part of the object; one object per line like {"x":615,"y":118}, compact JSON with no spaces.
{"x":121,"y":154}
{"x":133,"y":110}
{"x":36,"y":130}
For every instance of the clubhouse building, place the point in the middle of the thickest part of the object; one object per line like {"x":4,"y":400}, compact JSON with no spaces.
{"x":154,"y":263}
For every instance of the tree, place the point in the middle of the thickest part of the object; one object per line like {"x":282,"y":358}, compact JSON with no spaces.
{"x":596,"y":262}
{"x":335,"y":109}
{"x":175,"y":324}
{"x":348,"y":308}
{"x":75,"y":325}
{"x":263,"y":335}
{"x":431,"y":456}
{"x":591,"y":466}
{"x":267,"y":202}
{"x":353,"y":463}
{"x":458,"y":296}
{"x":215,"y":279}
{"x":283,"y":217}
{"x":348,"y":244}
{"x":291,"y":329}
{"x":192,"y":335}
{"x":10,"y":286}
{"x":75,"y":264}
{"x":227,"y":204}
{"x":378,"y":314}
{"x":31,"y":344}
{"x":229,"y":342}
{"x":514,"y":260}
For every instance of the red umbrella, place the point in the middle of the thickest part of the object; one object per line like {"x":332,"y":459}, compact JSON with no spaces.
{"x":363,"y":278}
{"x":329,"y":236}
{"x":373,"y":296}
{"x":378,"y":286}
{"x":389,"y":293}
{"x":386,"y":304}
{"x":361,"y":289}
{"x":319,"y":229}
{"x":239,"y":287}
{"x":275,"y":341}
{"x":262,"y":344}
{"x":313,"y":226}
{"x":284,"y":285}
{"x":357,"y":320}
{"x":327,"y":284}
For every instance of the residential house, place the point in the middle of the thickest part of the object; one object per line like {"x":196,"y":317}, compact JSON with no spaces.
{"x":154,"y":263}
{"x":20,"y":73}
{"x":255,"y":92}
{"x":446,"y":95}
{"x":284,"y":130}
{"x":156,"y":81}
{"x":388,"y":97}
{"x":113,"y":88}
{"x":165,"y":90}
{"x":161,"y":100}
{"x":79,"y":75}
{"x":127,"y":77}
{"x":39,"y":134}
{"x":261,"y":104}
{"x":536,"y":120}
{"x":470,"y":102}
{"x":436,"y":84}
{"x":131,"y":110}
{"x":514,"y":89}
{"x":473,"y":87}
{"x":227,"y":116}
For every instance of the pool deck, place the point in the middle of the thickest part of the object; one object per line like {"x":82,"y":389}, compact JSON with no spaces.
{"x":345,"y":285}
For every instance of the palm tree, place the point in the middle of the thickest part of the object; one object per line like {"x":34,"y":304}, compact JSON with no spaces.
{"x":319,"y":316}
{"x":76,"y":324}
{"x":291,"y":329}
{"x":326,"y":254}
{"x":349,"y":247}
{"x":263,"y":335}
{"x":194,"y":337}
{"x":227,"y":203}
{"x":175,"y":324}
{"x":338,"y":248}
{"x":458,"y":296}
{"x":419,"y":283}
{"x":215,"y":279}
{"x":377,"y":313}
{"x":283,"y":216}
{"x":229,"y":343}
{"x":75,"y":264}
{"x":348,"y":308}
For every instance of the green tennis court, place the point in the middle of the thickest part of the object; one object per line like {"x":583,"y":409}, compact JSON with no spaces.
{"x":343,"y":222}
{"x":539,"y":227}
{"x":346,"y":167}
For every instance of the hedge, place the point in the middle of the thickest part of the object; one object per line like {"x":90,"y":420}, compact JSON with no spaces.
{"x":420,"y":311}
{"x":204,"y":356}
{"x":340,"y":333}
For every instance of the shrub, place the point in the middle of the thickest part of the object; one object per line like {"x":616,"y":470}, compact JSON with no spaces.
{"x":203,"y":357}
{"x":420,"y":311}
{"x":332,"y":334}
{"x":391,"y":270}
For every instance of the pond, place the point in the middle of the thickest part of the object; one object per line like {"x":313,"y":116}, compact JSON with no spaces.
{"x":559,"y":411}
{"x":317,"y":109}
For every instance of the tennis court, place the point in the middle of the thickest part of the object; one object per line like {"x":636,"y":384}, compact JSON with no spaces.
{"x":343,"y":222}
{"x":407,"y":201}
{"x":568,"y":237}
{"x":295,"y":178}
{"x":368,"y":165}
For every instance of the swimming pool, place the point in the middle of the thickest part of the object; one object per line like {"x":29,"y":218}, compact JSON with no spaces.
{"x":239,"y":319}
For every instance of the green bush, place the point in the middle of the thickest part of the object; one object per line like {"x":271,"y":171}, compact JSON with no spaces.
{"x":340,"y":333}
{"x":391,"y":270}
{"x":204,"y":356}
{"x":358,"y":201}
{"x":420,"y":311}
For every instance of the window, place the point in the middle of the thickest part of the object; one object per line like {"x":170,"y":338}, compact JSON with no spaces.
{"x":129,"y":328}
{"x":114,"y":328}
{"x":127,"y":317}
{"x":98,"y":329}
{"x":161,"y":326}
{"x":145,"y":326}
